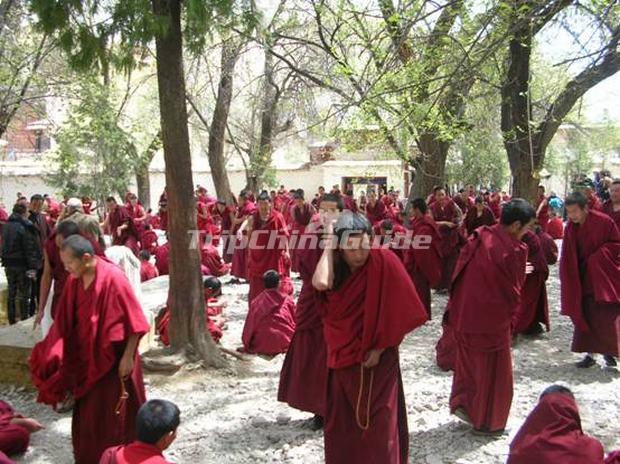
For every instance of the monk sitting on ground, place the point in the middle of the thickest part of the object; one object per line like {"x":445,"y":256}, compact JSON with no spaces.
{"x":552,"y":433}
{"x":156,"y":424}
{"x":15,"y":432}
{"x":213,"y":310}
{"x":148,"y":270}
{"x":270,"y":323}
{"x":211,"y":259}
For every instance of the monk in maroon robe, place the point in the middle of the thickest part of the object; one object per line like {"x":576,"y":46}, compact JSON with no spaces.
{"x":15,"y":431}
{"x":303,"y":379}
{"x":162,"y":259}
{"x":448,"y":218}
{"x":223,"y":216}
{"x":549,"y":247}
{"x":612,"y":206}
{"x":270,"y":323}
{"x":494,"y":259}
{"x":240,"y":254}
{"x":210,"y":257}
{"x":121,"y":226}
{"x":301,"y":215}
{"x":268,"y":246}
{"x":100,"y":322}
{"x":423,"y":257}
{"x":552,"y":433}
{"x":148,"y":239}
{"x":542,"y":208}
{"x":534,"y":309}
{"x":368,"y":306}
{"x":157,"y":424}
{"x":464,"y":201}
{"x":148,"y":270}
{"x":375,"y":209}
{"x":479,"y":215}
{"x":590,"y":281}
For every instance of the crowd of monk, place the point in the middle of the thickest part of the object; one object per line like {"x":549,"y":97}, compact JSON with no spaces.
{"x":357,"y":302}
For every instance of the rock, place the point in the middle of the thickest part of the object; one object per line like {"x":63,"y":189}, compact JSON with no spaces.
{"x":283,"y":419}
{"x":259,"y":421}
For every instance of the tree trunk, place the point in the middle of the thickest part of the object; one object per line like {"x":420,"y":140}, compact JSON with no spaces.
{"x":260,"y":158}
{"x":430,"y":165}
{"x":217,"y":130}
{"x":144,"y":186}
{"x":186,"y":298}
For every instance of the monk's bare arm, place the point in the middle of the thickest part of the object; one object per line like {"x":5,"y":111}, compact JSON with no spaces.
{"x":44,"y":290}
{"x":126,"y":365}
{"x":323,"y":278}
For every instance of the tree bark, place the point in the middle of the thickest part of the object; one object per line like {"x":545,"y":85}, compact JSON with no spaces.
{"x":143,"y":183}
{"x":217,"y":130}
{"x":186,"y":298}
{"x":429,"y":165}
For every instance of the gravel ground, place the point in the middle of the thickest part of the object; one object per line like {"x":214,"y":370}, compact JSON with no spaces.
{"x":232,"y":416}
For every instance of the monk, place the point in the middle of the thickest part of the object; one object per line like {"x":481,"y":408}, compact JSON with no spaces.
{"x":270,"y":323}
{"x":493,"y":259}
{"x":122,"y":227}
{"x":590,"y":281}
{"x":148,"y":239}
{"x":464,"y":201}
{"x":495,"y":203}
{"x":448,"y":218}
{"x":479,"y":215}
{"x":542,"y":208}
{"x":211,"y":259}
{"x":162,"y":258}
{"x":223,"y":217}
{"x":136,"y":211}
{"x":148,"y":270}
{"x":612,"y":206}
{"x":368,"y":306}
{"x":268,"y":246}
{"x":376,"y":210}
{"x":301,"y":215}
{"x":549,"y":247}
{"x":157,"y":424}
{"x":552,"y":433}
{"x":15,"y":431}
{"x":423,"y":257}
{"x":534,"y":309}
{"x":100,"y":322}
{"x":555,"y":227}
{"x":303,"y":379}
{"x":245,"y":209}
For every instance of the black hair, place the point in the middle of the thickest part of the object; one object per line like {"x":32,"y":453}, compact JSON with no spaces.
{"x":110,"y":199}
{"x":420,"y":205}
{"x":271,"y":279}
{"x":157,"y":418}
{"x":333,"y":198}
{"x":36,"y":197}
{"x":78,"y":245}
{"x":519,"y":210}
{"x":299,"y":194}
{"x":479,"y":200}
{"x":576,"y":198}
{"x":20,"y":209}
{"x":264,"y":196}
{"x":352,"y":223}
{"x":555,"y":388}
{"x":144,"y":255}
{"x":67,"y":228}
{"x":387,"y":224}
{"x":214,"y":284}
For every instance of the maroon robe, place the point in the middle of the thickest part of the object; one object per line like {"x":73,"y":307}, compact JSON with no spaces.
{"x":374,"y":308}
{"x":552,"y":434}
{"x":465,"y":205}
{"x":94,"y":324}
{"x":264,"y":256}
{"x":162,"y":259}
{"x":14,"y":438}
{"x":223,"y":219}
{"x":450,"y":238}
{"x":377,"y":213}
{"x":147,"y":271}
{"x":134,"y":453}
{"x":130,"y":236}
{"x":549,"y":247}
{"x":543,"y":215}
{"x":590,"y":283}
{"x":555,"y":228}
{"x":473,"y":221}
{"x":534,"y":307}
{"x":270,"y":323}
{"x":240,"y":253}
{"x":486,"y":293}
{"x":608,"y":209}
{"x":424,"y":264}
{"x":301,"y":217}
{"x":148,"y":241}
{"x":303,"y":379}
{"x":210,"y":257}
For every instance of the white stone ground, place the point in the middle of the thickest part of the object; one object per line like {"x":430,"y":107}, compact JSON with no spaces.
{"x":232,"y":416}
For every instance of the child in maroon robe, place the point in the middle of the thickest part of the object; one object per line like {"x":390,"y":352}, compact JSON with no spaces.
{"x":15,"y":431}
{"x":542,"y":208}
{"x":590,"y":281}
{"x":552,"y":433}
{"x":494,"y":259}
{"x":270,"y":323}
{"x":100,"y":322}
{"x":301,"y":215}
{"x":368,"y":306}
{"x":148,"y":270}
{"x":157,"y":423}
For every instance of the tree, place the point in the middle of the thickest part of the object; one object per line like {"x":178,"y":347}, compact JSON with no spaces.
{"x":526,"y":140}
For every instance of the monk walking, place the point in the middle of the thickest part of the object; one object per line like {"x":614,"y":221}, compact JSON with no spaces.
{"x":590,"y":281}
{"x":612,"y":206}
{"x":100,"y":322}
{"x":368,"y":306}
{"x":493,"y":260}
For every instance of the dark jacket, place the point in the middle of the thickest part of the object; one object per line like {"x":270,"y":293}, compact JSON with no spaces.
{"x":20,"y":244}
